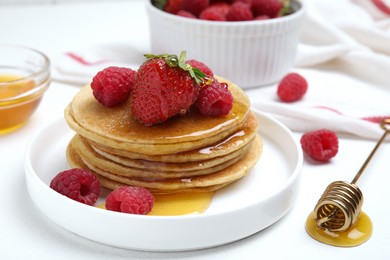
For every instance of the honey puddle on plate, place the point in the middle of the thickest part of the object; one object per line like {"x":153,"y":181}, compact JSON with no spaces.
{"x":179,"y":203}
{"x":357,"y":234}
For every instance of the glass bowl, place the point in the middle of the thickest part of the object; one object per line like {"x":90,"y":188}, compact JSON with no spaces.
{"x":24,"y":77}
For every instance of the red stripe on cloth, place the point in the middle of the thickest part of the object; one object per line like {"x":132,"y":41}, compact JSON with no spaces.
{"x":83,"y":61}
{"x":372,"y":119}
{"x":375,"y":119}
{"x":330,"y":109}
{"x":382,"y":6}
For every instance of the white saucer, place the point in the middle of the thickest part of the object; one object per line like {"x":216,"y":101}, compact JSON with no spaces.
{"x":240,"y":210}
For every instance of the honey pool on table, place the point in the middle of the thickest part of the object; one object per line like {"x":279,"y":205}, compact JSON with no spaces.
{"x":357,"y":234}
{"x":14,"y":111}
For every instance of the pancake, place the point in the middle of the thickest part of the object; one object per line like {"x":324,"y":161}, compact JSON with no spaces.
{"x":206,"y":166}
{"x":110,"y":184}
{"x":190,"y":153}
{"x":151,"y":170}
{"x":222,"y":148}
{"x":116,"y":128}
{"x":175,"y":167}
{"x":208,"y":182}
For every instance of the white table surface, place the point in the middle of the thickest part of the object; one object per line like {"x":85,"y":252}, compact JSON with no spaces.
{"x":26,"y":233}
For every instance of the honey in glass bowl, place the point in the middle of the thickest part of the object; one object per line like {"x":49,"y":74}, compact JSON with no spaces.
{"x":24,"y":77}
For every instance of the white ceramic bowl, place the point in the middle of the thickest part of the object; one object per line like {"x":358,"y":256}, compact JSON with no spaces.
{"x":240,"y":210}
{"x":250,"y":53}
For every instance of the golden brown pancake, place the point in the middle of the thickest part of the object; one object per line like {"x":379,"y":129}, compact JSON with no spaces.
{"x":190,"y":153}
{"x":223,"y":147}
{"x":153,"y":170}
{"x":208,"y":182}
{"x":180,"y":169}
{"x":110,"y":184}
{"x":116,"y":128}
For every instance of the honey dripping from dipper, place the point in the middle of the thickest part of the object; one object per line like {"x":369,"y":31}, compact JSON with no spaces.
{"x":337,"y":218}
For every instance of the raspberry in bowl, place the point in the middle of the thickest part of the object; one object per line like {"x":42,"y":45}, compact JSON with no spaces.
{"x":252,"y":49}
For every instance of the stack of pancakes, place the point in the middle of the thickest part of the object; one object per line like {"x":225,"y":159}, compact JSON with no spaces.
{"x":185,"y":153}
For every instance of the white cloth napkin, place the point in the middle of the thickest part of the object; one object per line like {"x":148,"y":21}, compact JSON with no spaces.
{"x":78,"y":67}
{"x":344,"y":54}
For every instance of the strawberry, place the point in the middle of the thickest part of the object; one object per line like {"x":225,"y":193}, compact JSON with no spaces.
{"x":165,"y":86}
{"x":201,"y":66}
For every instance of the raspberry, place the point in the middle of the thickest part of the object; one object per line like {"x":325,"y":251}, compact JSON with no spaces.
{"x":78,"y":184}
{"x":172,"y":6}
{"x":214,"y":99}
{"x":201,"y":66}
{"x":239,"y":11}
{"x":261,"y":17}
{"x":320,"y":145}
{"x":130,"y":199}
{"x":215,"y":12}
{"x":292,"y":87}
{"x":194,"y":6}
{"x":112,"y":85}
{"x":186,"y":14}
{"x":248,"y":2}
{"x":271,"y":8}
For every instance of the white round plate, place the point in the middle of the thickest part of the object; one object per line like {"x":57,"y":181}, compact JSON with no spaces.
{"x":240,"y":210}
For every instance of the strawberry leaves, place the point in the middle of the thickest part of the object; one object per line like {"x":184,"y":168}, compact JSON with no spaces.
{"x":174,"y":61}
